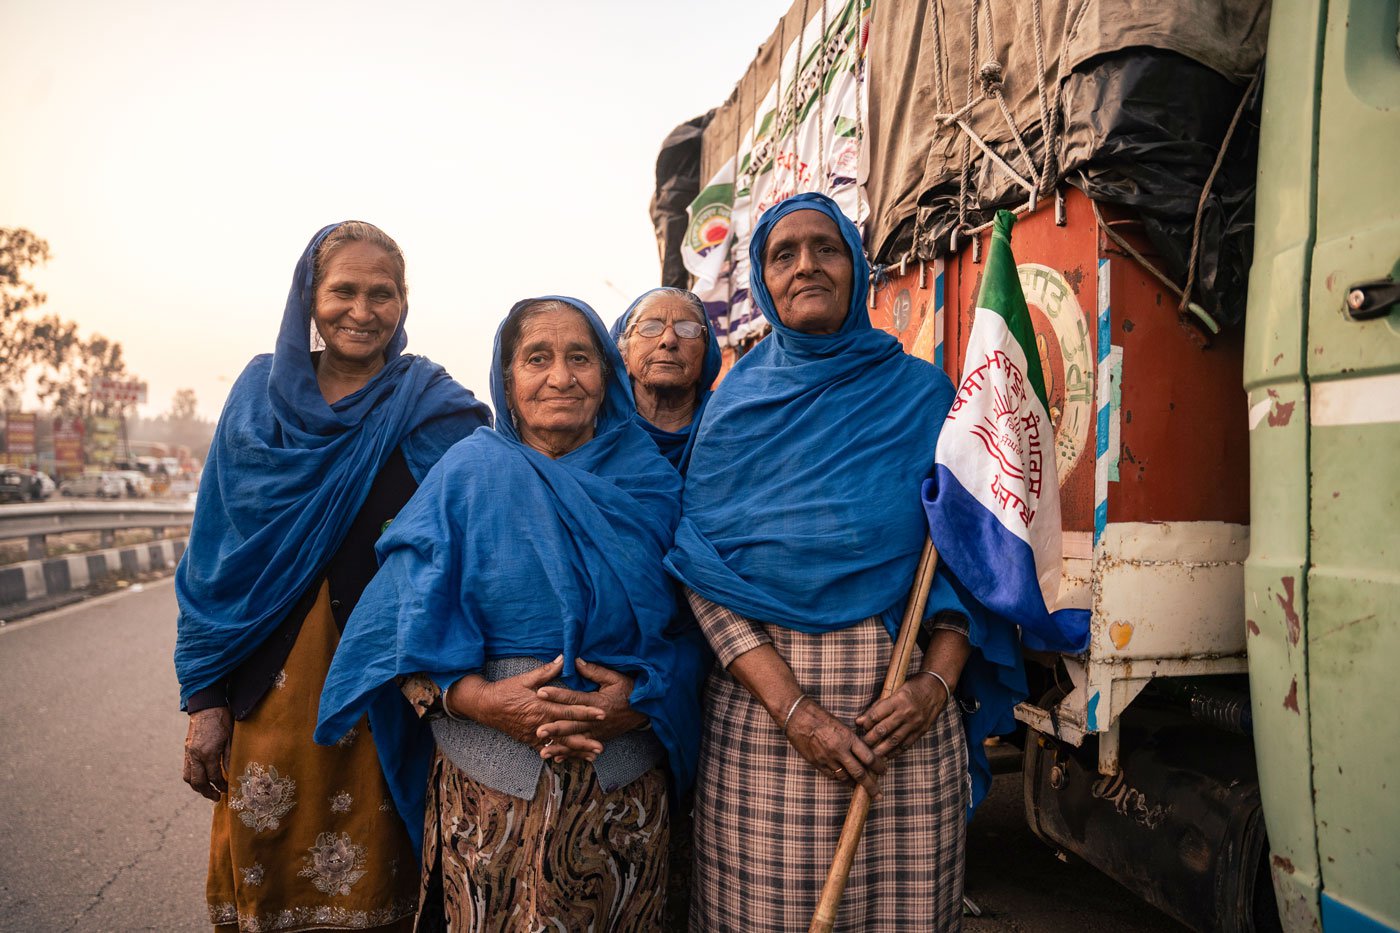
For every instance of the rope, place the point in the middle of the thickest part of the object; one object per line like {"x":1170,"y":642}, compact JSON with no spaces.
{"x":967,"y":140}
{"x":1038,"y":32}
{"x":778,"y":97}
{"x":821,"y":106}
{"x":738,"y":136}
{"x":793,"y":98}
{"x":991,"y":36}
{"x":991,"y":78}
{"x":940,"y":61}
{"x":1143,"y":261}
{"x":860,"y":93}
{"x":1001,"y":163}
{"x":1205,"y":191}
{"x":753,"y":128}
{"x":948,"y":119}
{"x":1071,"y":26}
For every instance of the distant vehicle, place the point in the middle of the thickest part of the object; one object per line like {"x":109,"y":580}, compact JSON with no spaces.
{"x":136,"y":485}
{"x":46,"y":485}
{"x":15,"y":484}
{"x":21,"y":485}
{"x":101,"y":485}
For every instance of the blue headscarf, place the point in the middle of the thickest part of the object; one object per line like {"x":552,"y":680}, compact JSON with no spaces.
{"x":286,"y":475}
{"x":802,"y":505}
{"x":675,"y":446}
{"x":505,"y":552}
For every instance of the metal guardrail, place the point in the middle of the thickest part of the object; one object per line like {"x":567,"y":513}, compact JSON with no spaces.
{"x":36,"y":520}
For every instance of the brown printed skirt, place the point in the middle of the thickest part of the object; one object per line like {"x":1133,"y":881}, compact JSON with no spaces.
{"x":572,"y":859}
{"x":307,"y":838}
{"x":766,"y":821}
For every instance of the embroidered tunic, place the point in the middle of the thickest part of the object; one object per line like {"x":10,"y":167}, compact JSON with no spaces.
{"x":307,"y":836}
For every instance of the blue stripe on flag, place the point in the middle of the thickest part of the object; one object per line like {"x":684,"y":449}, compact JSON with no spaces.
{"x":965,"y":533}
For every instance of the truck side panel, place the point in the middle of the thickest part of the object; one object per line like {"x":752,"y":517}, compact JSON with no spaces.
{"x":1276,"y":570}
{"x":1353,"y":593}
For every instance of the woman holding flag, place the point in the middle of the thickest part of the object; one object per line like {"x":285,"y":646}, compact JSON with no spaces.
{"x":801,"y":532}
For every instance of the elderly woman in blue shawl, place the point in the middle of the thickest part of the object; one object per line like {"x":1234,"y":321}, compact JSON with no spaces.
{"x":522,"y":607}
{"x":802,"y":528}
{"x":672,"y":359}
{"x":314,"y":453}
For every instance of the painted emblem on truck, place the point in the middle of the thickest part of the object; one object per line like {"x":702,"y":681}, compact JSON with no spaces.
{"x":1062,"y":337}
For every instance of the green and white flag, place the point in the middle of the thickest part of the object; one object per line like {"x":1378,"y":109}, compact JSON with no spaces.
{"x":994,"y":501}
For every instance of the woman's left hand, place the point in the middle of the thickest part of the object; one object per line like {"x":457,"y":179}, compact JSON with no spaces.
{"x":570,"y":738}
{"x":902,"y":718}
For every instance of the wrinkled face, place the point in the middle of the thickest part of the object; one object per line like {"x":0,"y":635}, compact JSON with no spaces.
{"x":556,"y":379}
{"x":808,"y":271}
{"x":358,"y":304}
{"x":667,"y":361}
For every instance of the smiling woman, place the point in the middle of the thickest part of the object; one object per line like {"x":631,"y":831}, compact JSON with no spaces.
{"x":315,"y":452}
{"x":359,"y":299}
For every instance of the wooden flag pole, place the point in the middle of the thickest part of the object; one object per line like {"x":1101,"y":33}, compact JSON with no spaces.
{"x":825,"y":917}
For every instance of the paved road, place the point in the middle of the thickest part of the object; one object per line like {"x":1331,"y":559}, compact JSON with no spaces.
{"x":99,"y":833}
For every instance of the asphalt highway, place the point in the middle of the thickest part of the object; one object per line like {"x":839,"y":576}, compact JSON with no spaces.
{"x":98,"y":833}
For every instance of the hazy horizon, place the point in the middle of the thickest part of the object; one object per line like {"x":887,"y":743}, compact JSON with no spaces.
{"x":178,"y":156}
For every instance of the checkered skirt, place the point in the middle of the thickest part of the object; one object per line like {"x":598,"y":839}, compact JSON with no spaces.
{"x":766,"y":821}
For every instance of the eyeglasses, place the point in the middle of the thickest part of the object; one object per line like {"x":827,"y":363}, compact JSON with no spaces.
{"x":686,"y":330}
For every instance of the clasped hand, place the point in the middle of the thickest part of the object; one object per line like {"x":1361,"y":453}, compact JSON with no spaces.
{"x":561,"y":723}
{"x":887,"y":727}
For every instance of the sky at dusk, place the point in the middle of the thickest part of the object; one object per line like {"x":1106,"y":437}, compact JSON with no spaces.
{"x":178,"y":156}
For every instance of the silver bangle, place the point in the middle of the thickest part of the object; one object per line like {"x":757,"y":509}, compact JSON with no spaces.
{"x":792,"y":709}
{"x":947,"y":691}
{"x":447,"y":710}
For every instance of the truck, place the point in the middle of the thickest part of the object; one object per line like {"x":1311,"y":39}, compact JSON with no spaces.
{"x":1209,"y":243}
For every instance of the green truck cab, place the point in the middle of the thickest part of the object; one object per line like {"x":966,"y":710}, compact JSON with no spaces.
{"x":1322,"y":369}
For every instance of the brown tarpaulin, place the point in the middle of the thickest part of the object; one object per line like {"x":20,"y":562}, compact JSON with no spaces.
{"x":913,"y":157}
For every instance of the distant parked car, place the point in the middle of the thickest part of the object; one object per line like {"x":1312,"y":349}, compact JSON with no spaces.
{"x":20,"y":485}
{"x":102,"y":485}
{"x":14,"y":485}
{"x":135,"y":484}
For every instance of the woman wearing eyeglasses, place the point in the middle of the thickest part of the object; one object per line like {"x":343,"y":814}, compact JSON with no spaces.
{"x":672,"y":358}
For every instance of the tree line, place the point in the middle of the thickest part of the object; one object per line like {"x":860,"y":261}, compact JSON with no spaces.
{"x":46,"y":351}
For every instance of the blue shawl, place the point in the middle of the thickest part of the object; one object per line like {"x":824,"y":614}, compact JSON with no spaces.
{"x":802,"y":505}
{"x":287,"y":474}
{"x":504,"y":552}
{"x":675,"y":446}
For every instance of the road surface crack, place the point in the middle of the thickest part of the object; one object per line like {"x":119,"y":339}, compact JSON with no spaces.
{"x":161,"y":835}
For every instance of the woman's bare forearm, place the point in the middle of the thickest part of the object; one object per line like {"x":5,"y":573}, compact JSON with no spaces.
{"x":947,"y":653}
{"x":764,"y":673}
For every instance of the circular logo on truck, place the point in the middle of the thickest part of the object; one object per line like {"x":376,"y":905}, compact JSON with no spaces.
{"x":1062,"y":337}
{"x":709,"y":227}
